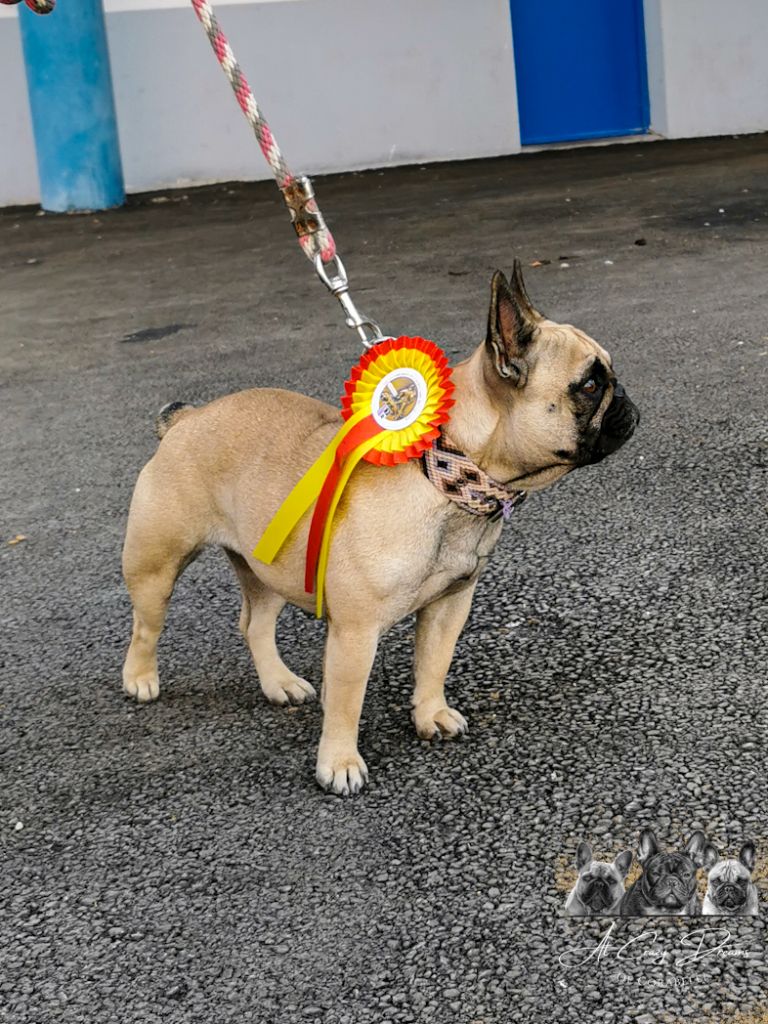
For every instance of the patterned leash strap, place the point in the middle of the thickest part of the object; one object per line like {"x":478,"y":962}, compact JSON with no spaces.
{"x":38,"y":6}
{"x":314,"y":236}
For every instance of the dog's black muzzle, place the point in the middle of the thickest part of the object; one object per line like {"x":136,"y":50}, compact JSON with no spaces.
{"x":730,"y":896}
{"x":619,"y":422}
{"x":598,"y":895}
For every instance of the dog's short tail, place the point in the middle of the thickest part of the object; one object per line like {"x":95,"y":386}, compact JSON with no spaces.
{"x":169,"y":415}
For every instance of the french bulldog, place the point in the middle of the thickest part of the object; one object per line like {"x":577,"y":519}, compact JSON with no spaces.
{"x":599,"y":888}
{"x":533,"y":402}
{"x":667,"y":885}
{"x":730,"y":889}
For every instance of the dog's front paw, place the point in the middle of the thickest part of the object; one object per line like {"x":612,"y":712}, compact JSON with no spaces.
{"x":143,"y":687}
{"x":287,"y":688}
{"x":342,"y":774}
{"x":438,"y":722}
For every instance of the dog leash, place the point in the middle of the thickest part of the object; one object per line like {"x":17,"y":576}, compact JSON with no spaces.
{"x":38,"y":6}
{"x":314,"y":236}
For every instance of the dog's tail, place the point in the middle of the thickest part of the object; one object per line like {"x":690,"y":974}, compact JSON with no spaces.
{"x":169,"y":415}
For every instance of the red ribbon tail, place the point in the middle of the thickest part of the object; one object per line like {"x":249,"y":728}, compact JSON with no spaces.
{"x":362,"y":432}
{"x":324,"y":499}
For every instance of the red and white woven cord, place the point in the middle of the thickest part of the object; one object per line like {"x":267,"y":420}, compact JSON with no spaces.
{"x":321,"y":242}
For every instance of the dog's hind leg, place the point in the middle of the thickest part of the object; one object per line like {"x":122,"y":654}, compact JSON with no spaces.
{"x":258,"y":618}
{"x":159,"y":544}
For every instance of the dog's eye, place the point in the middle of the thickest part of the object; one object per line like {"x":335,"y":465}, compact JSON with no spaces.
{"x":590,"y":388}
{"x":587,"y":877}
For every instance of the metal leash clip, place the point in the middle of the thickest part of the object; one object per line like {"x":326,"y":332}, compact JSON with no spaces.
{"x":300,"y":199}
{"x":337,"y":284}
{"x":308,"y":220}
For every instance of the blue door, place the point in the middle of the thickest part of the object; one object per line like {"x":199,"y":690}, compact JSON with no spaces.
{"x":581,"y":69}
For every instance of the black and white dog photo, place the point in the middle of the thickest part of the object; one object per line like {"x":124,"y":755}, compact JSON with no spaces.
{"x":668,"y":883}
{"x":599,"y":888}
{"x":730,"y":889}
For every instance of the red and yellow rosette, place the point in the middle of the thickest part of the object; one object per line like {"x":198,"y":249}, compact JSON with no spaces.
{"x":393,"y":404}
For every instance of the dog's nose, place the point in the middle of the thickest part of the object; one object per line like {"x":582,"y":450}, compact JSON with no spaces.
{"x":622,"y":415}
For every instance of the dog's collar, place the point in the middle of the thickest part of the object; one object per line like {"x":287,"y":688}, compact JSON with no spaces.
{"x":456,"y":476}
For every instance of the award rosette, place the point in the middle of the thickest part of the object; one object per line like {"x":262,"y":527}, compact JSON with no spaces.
{"x":393,"y":404}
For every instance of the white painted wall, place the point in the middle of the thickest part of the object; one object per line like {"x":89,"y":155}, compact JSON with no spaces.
{"x":345,"y":84}
{"x":707,"y":66}
{"x":366,"y":83}
{"x":18,"y":170}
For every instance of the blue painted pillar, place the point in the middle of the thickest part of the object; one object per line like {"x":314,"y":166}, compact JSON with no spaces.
{"x":73,"y":109}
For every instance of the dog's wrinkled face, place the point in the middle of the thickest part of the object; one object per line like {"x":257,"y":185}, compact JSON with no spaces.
{"x":730,"y":881}
{"x":600,"y":885}
{"x":669,"y":879}
{"x":562,"y":404}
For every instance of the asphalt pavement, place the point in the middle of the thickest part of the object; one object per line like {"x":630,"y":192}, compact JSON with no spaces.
{"x":177,"y":862}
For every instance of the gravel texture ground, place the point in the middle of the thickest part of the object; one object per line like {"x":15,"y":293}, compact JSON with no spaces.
{"x":176,"y":862}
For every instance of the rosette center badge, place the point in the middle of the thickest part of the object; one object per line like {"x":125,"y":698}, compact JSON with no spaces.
{"x":399,"y":399}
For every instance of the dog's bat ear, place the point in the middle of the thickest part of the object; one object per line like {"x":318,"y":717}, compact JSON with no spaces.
{"x":696,"y":846}
{"x":647,"y":846}
{"x":709,"y":856}
{"x":531,"y":314}
{"x":511,"y":323}
{"x":747,"y":856}
{"x":583,"y":855}
{"x":623,"y":862}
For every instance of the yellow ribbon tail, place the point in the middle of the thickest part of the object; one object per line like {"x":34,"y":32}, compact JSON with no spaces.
{"x":349,"y":464}
{"x":302,"y":496}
